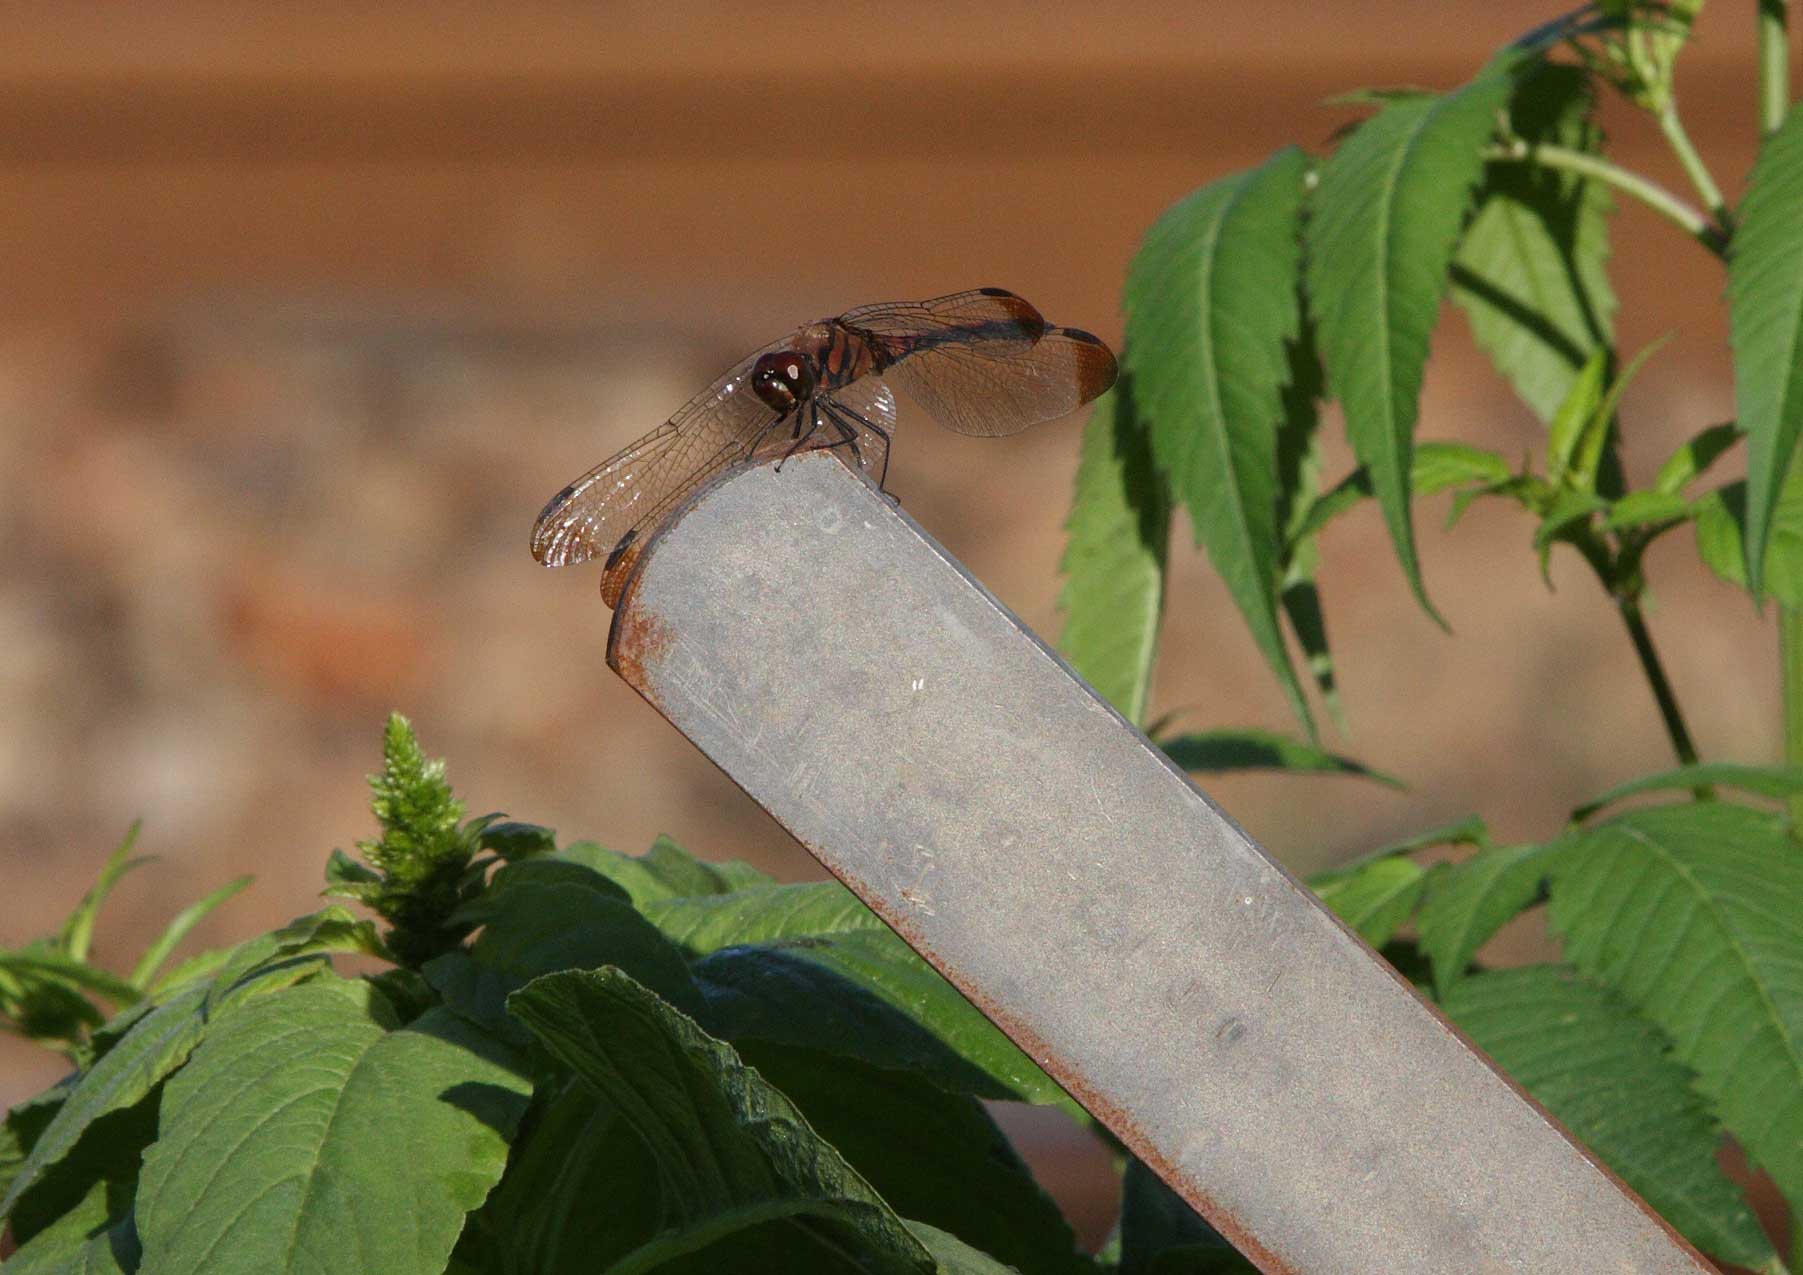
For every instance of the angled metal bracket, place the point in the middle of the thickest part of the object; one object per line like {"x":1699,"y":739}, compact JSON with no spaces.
{"x":934,"y":755}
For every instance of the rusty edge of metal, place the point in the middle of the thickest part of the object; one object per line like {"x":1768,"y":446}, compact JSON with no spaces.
{"x":638,"y":640}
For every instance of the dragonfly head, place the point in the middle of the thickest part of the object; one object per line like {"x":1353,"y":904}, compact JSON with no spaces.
{"x":783,"y":379}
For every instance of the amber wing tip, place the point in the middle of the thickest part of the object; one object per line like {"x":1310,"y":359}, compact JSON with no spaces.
{"x":1099,"y":369}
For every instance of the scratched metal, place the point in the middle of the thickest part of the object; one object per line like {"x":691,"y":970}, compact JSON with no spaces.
{"x":934,"y":754}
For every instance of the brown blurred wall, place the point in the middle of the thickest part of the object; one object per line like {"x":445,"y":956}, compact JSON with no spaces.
{"x":308,"y":308}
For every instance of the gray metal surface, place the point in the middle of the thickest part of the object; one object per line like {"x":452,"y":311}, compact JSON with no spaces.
{"x":1082,"y":892}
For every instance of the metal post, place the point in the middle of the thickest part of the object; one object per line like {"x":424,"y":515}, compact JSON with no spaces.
{"x":1081,"y":891}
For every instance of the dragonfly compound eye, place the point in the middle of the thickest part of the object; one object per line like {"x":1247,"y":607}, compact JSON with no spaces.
{"x":782,"y":379}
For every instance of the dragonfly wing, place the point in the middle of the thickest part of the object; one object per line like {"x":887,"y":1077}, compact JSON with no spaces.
{"x":989,"y":390}
{"x":629,"y":491}
{"x":993,"y":316}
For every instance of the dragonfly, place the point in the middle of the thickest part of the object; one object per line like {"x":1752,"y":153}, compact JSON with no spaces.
{"x":981,"y":362}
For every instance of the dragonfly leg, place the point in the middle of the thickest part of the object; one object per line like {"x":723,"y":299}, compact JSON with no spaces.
{"x":848,"y":437}
{"x":763,"y":435}
{"x":800,"y":435}
{"x":874,"y":428}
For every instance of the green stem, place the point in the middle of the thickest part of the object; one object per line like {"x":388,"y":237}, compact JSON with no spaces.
{"x":1620,"y":575}
{"x":1686,"y":217}
{"x":1774,"y":63}
{"x":1698,"y":172}
{"x":1669,"y":712}
{"x":1790,"y":672}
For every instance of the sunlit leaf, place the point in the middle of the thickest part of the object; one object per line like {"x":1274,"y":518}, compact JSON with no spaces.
{"x":304,"y":1120}
{"x":731,"y":1152}
{"x":1646,"y":509}
{"x":1608,"y":1075}
{"x":1531,"y":269}
{"x":145,"y":971}
{"x":1694,"y":912}
{"x":1694,"y":456}
{"x":1470,"y":901}
{"x":1720,"y":530}
{"x":1377,"y":899}
{"x":1777,"y":782}
{"x":1211,"y":301}
{"x":1221,"y":750}
{"x":1116,"y":540}
{"x":1384,"y":222}
{"x":1765,"y":294}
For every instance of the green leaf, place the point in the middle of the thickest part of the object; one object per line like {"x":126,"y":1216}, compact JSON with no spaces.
{"x":1765,"y":296}
{"x":304,"y":1135}
{"x":346,"y":876}
{"x":1298,"y":486}
{"x":1437,"y":467}
{"x":1573,"y":417}
{"x":1531,"y":270}
{"x":1568,"y":514}
{"x":770,"y":992}
{"x":1299,"y":435}
{"x":1607,"y":1074}
{"x":517,"y":840}
{"x":1301,"y":601}
{"x":540,"y":872}
{"x":1160,"y":1232}
{"x":952,"y":1255}
{"x":572,"y":1152}
{"x":1221,"y":750}
{"x":178,"y":929}
{"x":544,"y":914}
{"x":78,"y":930}
{"x":1384,"y":221}
{"x":731,"y":1152}
{"x":94,"y":1238}
{"x":935,"y":1157}
{"x":1377,"y":899}
{"x":1582,"y":474}
{"x":41,"y":961}
{"x":43,"y":1008}
{"x":805,"y":910}
{"x":824,"y":923}
{"x":157,"y":1044}
{"x":1695,"y":913}
{"x":93,"y":1184}
{"x":1721,"y":520}
{"x":25,"y":1123}
{"x":1777,"y":782}
{"x":1645,"y":509}
{"x":1692,"y":458}
{"x":1441,"y":465}
{"x":1211,"y":301}
{"x":1116,"y":540}
{"x":665,"y":871}
{"x":1527,"y":490}
{"x":1469,"y":901}
{"x":1373,"y":95}
{"x":1469,"y":831}
{"x":292,"y":954}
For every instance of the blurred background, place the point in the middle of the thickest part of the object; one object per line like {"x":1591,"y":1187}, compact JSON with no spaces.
{"x":308,"y":309}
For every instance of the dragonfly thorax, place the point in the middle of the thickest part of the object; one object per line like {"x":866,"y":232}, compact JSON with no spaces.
{"x":783,"y":378}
